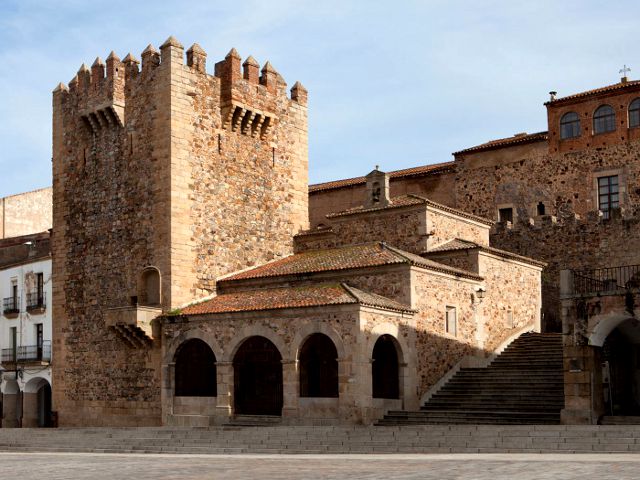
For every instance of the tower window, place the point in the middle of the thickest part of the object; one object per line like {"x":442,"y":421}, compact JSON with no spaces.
{"x":540,"y":210}
{"x":634,"y":113}
{"x":505,"y":215}
{"x":604,"y":119}
{"x":569,"y":125}
{"x":608,"y":195}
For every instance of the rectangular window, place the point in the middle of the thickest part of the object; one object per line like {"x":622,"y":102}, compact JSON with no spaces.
{"x":505,"y":214}
{"x":608,"y":195}
{"x":39,"y":340}
{"x":451,"y":321}
{"x":40,"y":286}
{"x":13,"y":338}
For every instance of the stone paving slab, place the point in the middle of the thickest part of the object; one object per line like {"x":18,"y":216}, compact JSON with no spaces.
{"x":79,"y":466}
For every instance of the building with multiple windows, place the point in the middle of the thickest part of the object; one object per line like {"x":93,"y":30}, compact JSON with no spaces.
{"x":25,"y":331}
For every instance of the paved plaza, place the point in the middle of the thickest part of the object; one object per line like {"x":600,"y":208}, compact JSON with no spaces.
{"x":96,"y":466}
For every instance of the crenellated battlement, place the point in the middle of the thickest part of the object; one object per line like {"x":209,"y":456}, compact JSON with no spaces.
{"x":248,"y":94}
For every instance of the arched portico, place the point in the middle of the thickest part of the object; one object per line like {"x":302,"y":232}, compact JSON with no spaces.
{"x":37,"y":403}
{"x":258,"y":386}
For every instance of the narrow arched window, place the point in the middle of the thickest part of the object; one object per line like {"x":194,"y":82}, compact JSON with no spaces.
{"x":149,"y":290}
{"x":604,"y":119}
{"x":570,"y":125}
{"x":634,"y":113}
{"x":318,"y":367}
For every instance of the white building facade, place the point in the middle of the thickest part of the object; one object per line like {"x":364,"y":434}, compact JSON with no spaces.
{"x":25,"y":332}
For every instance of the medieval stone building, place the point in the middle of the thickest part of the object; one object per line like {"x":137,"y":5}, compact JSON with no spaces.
{"x":189,"y":290}
{"x":569,"y":196}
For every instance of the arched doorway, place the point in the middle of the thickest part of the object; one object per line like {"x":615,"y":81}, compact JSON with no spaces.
{"x":621,"y":369}
{"x":385,"y":370}
{"x":195,"y":370}
{"x":257,"y":368}
{"x":37,"y":403}
{"x":318,"y":361}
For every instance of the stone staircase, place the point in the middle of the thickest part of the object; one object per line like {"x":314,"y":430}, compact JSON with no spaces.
{"x":328,"y":439}
{"x":523,"y":385}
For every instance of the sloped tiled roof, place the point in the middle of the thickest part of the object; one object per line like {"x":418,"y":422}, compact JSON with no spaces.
{"x":433,"y":169}
{"x":343,"y":258}
{"x":507,"y":142}
{"x":292,"y":297}
{"x":459,"y":244}
{"x":408,"y":200}
{"x":596,"y":91}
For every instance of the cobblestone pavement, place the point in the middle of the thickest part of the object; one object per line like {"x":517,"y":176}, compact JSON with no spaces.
{"x":97,"y":466}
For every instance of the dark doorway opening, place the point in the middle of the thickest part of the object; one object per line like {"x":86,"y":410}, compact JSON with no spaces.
{"x":621,"y":370}
{"x":44,"y":406}
{"x":318,"y":367}
{"x":195,"y":370}
{"x":385,"y":368}
{"x":257,"y":368}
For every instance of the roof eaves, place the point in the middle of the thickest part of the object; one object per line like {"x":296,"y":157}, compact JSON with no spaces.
{"x":418,"y":261}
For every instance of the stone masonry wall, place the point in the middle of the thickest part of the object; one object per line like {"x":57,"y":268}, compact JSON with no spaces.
{"x":25,"y":213}
{"x":443,"y":226}
{"x":436,"y":187}
{"x":150,"y":170}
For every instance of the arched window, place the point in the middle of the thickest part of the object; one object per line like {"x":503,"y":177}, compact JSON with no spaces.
{"x":318,"y":367}
{"x":569,"y":125}
{"x":195,"y":370}
{"x":634,"y":113}
{"x":149,"y":290}
{"x":604,"y":119}
{"x":385,"y":369}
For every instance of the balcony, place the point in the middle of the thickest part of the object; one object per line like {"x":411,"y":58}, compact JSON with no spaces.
{"x":27,"y":354}
{"x":134,"y":324}
{"x":36,"y":302}
{"x":600,"y":281}
{"x":11,"y":307}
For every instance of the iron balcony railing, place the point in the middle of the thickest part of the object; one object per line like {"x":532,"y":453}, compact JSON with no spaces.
{"x":27,"y":353}
{"x":36,"y":300}
{"x":606,"y":279}
{"x":10,"y":305}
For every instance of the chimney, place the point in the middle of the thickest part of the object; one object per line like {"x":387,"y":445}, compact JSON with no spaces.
{"x":552,"y":95}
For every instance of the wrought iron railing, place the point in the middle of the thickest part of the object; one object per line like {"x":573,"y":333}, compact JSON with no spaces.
{"x":27,"y":353}
{"x":10,"y":305}
{"x":606,"y":279}
{"x":36,"y":300}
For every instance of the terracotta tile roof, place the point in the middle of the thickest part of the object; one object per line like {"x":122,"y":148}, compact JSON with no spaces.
{"x":343,"y":258}
{"x":459,"y":244}
{"x":596,"y":91}
{"x":408,"y":200}
{"x":292,"y":297}
{"x":433,"y":169}
{"x":507,"y":142}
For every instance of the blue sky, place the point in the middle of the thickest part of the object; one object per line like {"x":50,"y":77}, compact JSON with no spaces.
{"x":397,"y":84}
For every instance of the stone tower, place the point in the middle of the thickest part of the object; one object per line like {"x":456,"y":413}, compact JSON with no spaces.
{"x":164,"y":179}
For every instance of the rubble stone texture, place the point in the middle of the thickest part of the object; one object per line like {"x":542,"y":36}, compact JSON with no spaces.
{"x":166,"y":166}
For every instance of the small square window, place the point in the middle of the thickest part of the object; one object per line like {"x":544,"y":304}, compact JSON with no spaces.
{"x":451,"y":321}
{"x":505,"y":214}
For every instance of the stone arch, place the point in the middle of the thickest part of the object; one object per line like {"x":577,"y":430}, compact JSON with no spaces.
{"x":37,"y":403}
{"x":385,"y":368}
{"x":258,"y":377}
{"x":206,"y":337}
{"x":318,"y":367}
{"x":603,"y":325}
{"x":253,"y":331}
{"x":149,"y":287}
{"x":394,"y":331}
{"x":195,"y":370}
{"x":305,"y":332}
{"x":35,"y":384}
